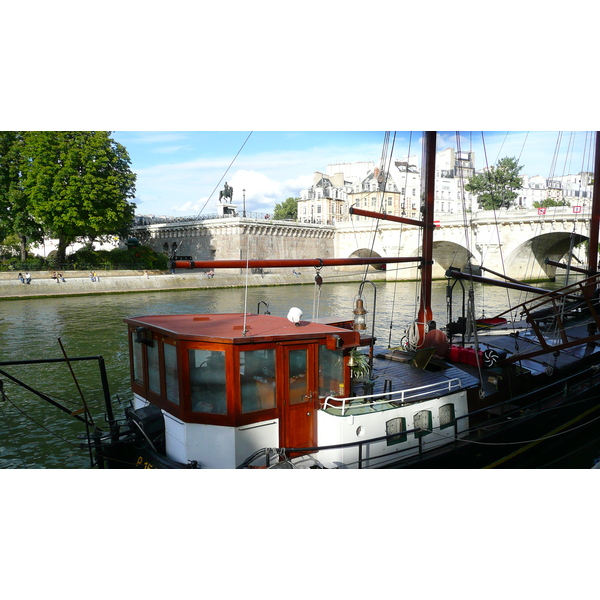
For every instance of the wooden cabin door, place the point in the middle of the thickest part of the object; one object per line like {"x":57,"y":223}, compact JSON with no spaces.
{"x":299,"y":423}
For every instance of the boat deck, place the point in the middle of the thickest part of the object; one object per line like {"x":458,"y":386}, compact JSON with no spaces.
{"x":394,"y":370}
{"x":527,"y":342}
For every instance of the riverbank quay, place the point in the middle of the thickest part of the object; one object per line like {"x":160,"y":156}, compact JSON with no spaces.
{"x":78,"y":283}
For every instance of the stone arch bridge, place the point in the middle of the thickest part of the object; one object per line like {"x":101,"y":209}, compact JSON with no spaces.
{"x":512,"y":242}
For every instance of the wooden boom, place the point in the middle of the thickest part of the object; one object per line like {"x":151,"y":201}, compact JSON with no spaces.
{"x":291,"y":262}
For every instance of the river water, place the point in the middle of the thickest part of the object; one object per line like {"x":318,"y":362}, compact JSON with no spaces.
{"x":93,"y":325}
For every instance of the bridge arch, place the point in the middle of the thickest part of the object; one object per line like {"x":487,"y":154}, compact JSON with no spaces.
{"x":526,"y":260}
{"x":366,"y":252}
{"x":450,"y":254}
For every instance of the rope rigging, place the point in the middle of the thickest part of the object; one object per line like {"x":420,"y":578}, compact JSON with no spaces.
{"x":400,"y":230}
{"x":223,"y":176}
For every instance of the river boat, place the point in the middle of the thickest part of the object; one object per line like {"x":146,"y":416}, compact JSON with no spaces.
{"x":254,"y":390}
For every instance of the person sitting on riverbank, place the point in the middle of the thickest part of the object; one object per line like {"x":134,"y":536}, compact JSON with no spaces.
{"x":60,"y":278}
{"x":54,"y":276}
{"x":21,"y":278}
{"x":27,"y":277}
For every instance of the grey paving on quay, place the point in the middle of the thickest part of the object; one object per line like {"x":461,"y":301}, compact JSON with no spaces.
{"x":80,"y":283}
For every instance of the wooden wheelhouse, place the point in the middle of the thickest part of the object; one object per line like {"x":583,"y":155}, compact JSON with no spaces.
{"x":230,"y":384}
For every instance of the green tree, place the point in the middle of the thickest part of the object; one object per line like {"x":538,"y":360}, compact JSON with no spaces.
{"x":496,"y":188}
{"x":78,"y":185}
{"x":15,"y":214}
{"x":288,"y":209}
{"x":549,"y":202}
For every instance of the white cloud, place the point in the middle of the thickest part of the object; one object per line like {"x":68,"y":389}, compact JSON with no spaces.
{"x":176,"y":189}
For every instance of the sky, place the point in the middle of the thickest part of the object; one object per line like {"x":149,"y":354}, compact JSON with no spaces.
{"x":182,"y":89}
{"x":180,"y":173}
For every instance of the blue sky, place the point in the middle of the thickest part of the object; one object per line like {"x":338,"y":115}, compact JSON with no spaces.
{"x":171,"y":71}
{"x":181,"y":173}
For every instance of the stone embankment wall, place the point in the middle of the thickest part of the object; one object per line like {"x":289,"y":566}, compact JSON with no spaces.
{"x":238,"y":238}
{"x":111,"y":282}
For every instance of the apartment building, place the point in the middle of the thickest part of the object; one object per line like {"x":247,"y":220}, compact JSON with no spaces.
{"x":398,"y":191}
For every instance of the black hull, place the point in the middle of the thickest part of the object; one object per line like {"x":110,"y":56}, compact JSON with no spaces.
{"x":135,"y":454}
{"x":565,"y":436}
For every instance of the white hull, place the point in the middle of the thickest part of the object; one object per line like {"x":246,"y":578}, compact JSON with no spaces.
{"x":218,"y":447}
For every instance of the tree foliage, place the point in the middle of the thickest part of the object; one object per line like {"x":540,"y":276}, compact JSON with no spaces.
{"x":140,"y":257}
{"x":496,"y":187}
{"x":65,"y":184}
{"x":288,"y":209}
{"x":549,"y":202}
{"x":78,"y":184}
{"x":15,"y":213}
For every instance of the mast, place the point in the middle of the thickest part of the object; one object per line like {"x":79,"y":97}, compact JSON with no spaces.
{"x":595,"y":218}
{"x":425,"y":314}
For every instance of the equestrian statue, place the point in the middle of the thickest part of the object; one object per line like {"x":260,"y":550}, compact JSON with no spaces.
{"x":226,"y":193}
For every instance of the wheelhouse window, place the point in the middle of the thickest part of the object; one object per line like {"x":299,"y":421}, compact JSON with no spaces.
{"x":138,"y":365}
{"x":171,"y":376}
{"x":207,"y":381}
{"x":257,"y":380}
{"x":331,"y":372}
{"x":297,"y":371}
{"x":153,"y":367}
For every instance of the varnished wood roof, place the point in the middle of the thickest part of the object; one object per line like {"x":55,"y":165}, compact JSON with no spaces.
{"x":233,"y":328}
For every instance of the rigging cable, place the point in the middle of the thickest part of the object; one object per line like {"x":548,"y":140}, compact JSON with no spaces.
{"x":382,"y":177}
{"x":400,"y":230}
{"x":508,"y":301}
{"x":317,"y":292}
{"x":471,"y":326}
{"x":223,"y":176}
{"x":246,"y":285}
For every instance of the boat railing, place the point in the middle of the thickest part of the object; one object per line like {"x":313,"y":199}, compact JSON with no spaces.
{"x":400,"y":396}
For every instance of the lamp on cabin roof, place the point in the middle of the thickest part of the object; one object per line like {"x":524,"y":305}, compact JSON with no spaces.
{"x":294,"y":315}
{"x":360,"y":314}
